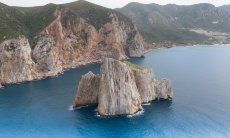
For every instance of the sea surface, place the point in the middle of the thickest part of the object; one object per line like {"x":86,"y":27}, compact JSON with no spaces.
{"x":200,"y":107}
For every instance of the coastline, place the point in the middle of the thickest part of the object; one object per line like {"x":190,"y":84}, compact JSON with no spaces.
{"x":100,"y":61}
{"x":53,"y":76}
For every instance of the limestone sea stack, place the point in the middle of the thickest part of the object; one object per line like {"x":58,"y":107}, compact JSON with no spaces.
{"x":87,"y":90}
{"x":121,"y":88}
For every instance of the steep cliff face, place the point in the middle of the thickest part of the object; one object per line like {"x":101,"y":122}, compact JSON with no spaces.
{"x":16,"y":64}
{"x":118,"y":93}
{"x":79,"y":42}
{"x":145,"y":82}
{"x":163,"y":89}
{"x":121,"y":88}
{"x":46,"y":56}
{"x":75,"y":37}
{"x":87,"y":90}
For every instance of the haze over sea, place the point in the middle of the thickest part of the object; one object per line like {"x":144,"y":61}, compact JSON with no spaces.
{"x":200,"y":107}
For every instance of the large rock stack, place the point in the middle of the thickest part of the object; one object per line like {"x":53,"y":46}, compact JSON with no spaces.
{"x":121,"y":88}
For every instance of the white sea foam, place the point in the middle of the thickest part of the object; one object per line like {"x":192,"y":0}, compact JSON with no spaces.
{"x":98,"y":115}
{"x":82,"y":106}
{"x":71,"y":108}
{"x":146,"y":104}
{"x":136,"y":114}
{"x":1,"y":87}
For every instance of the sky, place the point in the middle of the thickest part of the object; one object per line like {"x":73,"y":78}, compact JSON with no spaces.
{"x":113,"y":3}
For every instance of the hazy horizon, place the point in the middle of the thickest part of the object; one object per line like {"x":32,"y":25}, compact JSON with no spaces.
{"x":112,"y":4}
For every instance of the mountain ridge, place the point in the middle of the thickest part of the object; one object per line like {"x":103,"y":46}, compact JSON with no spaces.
{"x":173,"y":22}
{"x":33,"y":19}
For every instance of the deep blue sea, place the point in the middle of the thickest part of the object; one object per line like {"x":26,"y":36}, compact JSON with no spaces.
{"x":200,"y":107}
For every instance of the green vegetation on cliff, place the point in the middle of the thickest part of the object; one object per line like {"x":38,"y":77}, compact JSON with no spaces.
{"x":10,"y":26}
{"x":35,"y":19}
{"x":93,"y":14}
{"x":30,"y":21}
{"x":15,"y":21}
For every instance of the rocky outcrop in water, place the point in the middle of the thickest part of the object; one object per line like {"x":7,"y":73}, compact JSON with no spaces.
{"x":163,"y":89}
{"x":121,"y":88}
{"x":87,"y":90}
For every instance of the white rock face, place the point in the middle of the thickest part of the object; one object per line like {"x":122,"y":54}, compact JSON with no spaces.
{"x":164,"y":89}
{"x":121,"y":88}
{"x":16,"y":64}
{"x":145,"y":82}
{"x":118,"y":93}
{"x":46,"y":56}
{"x":87,"y":90}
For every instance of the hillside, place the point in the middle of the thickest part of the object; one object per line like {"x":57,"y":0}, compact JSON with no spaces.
{"x":10,"y":25}
{"x":38,"y":42}
{"x":30,"y":21}
{"x":17,"y":21}
{"x":172,"y":22}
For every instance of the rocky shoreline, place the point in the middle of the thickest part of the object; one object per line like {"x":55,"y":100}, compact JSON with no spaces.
{"x":90,"y":63}
{"x":121,"y":88}
{"x":153,"y":47}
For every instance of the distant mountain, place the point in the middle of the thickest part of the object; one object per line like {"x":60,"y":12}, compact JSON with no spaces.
{"x":226,"y":8}
{"x":172,"y":22}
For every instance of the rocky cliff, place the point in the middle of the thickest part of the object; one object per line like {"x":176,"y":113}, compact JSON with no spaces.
{"x":87,"y":90}
{"x":118,"y":93}
{"x":16,"y":64}
{"x":80,"y":33}
{"x":121,"y":88}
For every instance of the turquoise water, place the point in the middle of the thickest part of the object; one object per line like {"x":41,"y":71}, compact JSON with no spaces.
{"x":200,"y":108}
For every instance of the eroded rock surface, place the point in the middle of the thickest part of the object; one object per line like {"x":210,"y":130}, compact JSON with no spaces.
{"x":87,"y":90}
{"x":145,"y":82}
{"x":16,"y":64}
{"x":118,"y":93}
{"x":164,"y":89}
{"x":66,"y":43}
{"x":121,"y":88}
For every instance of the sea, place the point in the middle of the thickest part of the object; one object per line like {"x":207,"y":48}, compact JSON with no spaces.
{"x":200,"y":106}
